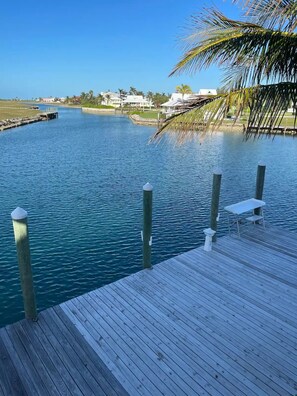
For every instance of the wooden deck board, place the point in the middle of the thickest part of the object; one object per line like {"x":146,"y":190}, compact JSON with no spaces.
{"x":259,"y":286}
{"x":203,"y":323}
{"x":10,"y":381}
{"x":192,"y":347}
{"x":262,"y":259}
{"x":190,"y":323}
{"x":145,"y":355}
{"x":162,"y":347}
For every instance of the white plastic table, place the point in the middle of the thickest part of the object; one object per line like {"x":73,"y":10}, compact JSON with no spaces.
{"x":242,"y":207}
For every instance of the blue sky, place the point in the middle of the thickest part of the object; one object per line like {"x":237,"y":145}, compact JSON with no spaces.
{"x":59,"y":48}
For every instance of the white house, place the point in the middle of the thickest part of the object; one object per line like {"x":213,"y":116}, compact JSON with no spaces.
{"x":137,"y":101}
{"x":48,"y":100}
{"x":178,"y":100}
{"x":111,"y":99}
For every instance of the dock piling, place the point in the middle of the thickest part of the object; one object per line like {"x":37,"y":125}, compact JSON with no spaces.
{"x":260,"y":183}
{"x":20,"y":226}
{"x":215,"y":198}
{"x":147,"y":224}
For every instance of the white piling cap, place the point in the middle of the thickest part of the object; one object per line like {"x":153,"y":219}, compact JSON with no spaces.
{"x":261,"y":163}
{"x":147,"y":187}
{"x":19,"y":214}
{"x":209,"y":232}
{"x":217,"y":171}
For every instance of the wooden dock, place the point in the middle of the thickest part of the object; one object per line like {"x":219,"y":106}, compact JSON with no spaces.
{"x":203,"y":323}
{"x":288,"y":130}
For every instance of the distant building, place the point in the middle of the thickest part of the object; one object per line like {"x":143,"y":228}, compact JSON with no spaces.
{"x":137,"y":101}
{"x":178,"y":101}
{"x":111,"y":99}
{"x":48,"y":100}
{"x":51,"y":99}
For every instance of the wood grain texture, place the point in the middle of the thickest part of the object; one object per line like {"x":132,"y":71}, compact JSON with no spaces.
{"x":203,"y":323}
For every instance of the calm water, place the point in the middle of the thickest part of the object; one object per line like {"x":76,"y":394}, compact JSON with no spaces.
{"x":80,"y":178}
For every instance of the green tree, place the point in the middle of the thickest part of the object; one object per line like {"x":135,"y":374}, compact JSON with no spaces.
{"x":159,"y":98}
{"x":150,"y":95}
{"x":259,"y":57}
{"x":90,"y":97}
{"x":107,"y":98}
{"x":133,"y":91}
{"x":122,"y":94}
{"x":183,"y":89}
{"x":99,"y":99}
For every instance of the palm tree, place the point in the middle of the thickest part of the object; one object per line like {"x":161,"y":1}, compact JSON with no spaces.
{"x":122,"y":94}
{"x":107,"y":98}
{"x":90,"y":95}
{"x":183,"y":89}
{"x":83,"y":97}
{"x":259,"y":58}
{"x":99,"y":99}
{"x":133,"y":91}
{"x":150,"y":96}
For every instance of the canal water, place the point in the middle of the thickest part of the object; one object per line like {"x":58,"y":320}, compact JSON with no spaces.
{"x":80,"y":179}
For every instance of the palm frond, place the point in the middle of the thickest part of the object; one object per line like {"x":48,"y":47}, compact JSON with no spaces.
{"x":253,"y":53}
{"x":267,"y":105}
{"x":273,"y":14}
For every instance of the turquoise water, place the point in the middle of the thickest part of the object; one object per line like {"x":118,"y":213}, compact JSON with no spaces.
{"x":80,"y":178}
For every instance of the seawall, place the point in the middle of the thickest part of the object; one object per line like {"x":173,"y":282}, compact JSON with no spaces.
{"x":16,"y":122}
{"x":97,"y":111}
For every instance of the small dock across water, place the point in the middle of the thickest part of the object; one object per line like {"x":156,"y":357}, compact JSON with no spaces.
{"x":203,"y":323}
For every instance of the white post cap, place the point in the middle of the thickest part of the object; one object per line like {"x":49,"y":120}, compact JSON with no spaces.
{"x":19,"y":214}
{"x":217,"y":171}
{"x":147,"y":187}
{"x":209,"y":232}
{"x":261,"y":163}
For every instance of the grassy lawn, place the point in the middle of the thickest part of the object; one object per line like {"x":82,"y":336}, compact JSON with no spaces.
{"x":10,"y":109}
{"x":288,"y":121}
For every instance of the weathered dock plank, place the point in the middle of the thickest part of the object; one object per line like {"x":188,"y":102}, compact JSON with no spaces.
{"x":51,"y":357}
{"x":203,"y":323}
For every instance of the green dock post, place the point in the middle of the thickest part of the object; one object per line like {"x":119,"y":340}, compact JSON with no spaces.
{"x":147,"y":224}
{"x":215,"y":198}
{"x":20,"y":226}
{"x":260,"y":184}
